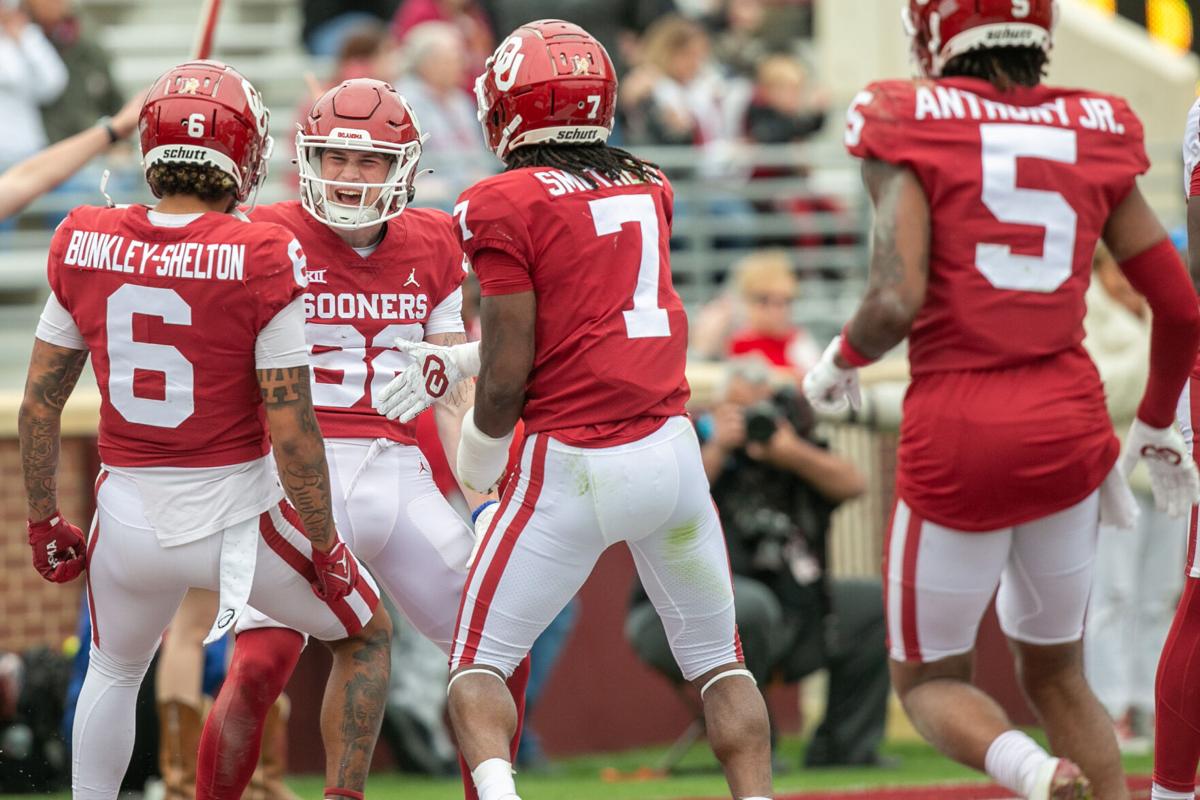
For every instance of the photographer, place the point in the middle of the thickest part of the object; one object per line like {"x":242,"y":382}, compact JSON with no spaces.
{"x":776,"y":487}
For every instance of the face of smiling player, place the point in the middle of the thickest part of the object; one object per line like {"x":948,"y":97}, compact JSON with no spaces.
{"x":345,"y":169}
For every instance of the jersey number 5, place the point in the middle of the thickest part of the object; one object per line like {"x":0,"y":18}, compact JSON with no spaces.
{"x":1002,"y":145}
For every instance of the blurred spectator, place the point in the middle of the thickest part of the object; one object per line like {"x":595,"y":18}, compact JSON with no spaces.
{"x":466,"y":15}
{"x":434,"y":71}
{"x":328,"y":22}
{"x":1137,"y":579}
{"x":677,"y":95}
{"x":24,"y":182}
{"x":91,"y":92}
{"x":766,"y":290}
{"x":775,"y":486}
{"x":784,"y":109}
{"x":740,"y":43}
{"x":366,"y":51}
{"x":31,"y":75}
{"x":616,"y":24}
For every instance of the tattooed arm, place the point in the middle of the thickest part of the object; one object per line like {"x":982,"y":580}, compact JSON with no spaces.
{"x":899,"y":260}
{"x":299,"y":450}
{"x":448,"y":413}
{"x":53,"y":371}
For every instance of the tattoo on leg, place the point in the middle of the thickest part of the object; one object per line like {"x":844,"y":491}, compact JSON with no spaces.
{"x":364,"y":697}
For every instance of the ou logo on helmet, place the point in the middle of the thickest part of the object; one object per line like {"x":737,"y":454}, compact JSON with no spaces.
{"x":261,"y":116}
{"x":507,"y":62}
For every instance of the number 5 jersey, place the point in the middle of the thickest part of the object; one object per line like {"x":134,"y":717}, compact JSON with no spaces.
{"x":1005,"y":421}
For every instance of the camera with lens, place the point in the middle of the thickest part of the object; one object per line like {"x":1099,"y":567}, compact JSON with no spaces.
{"x":762,"y":419}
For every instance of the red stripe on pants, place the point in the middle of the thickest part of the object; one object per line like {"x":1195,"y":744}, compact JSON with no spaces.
{"x":908,"y":598}
{"x":495,"y":568}
{"x":299,"y":562}
{"x":362,"y":585}
{"x":91,"y":548}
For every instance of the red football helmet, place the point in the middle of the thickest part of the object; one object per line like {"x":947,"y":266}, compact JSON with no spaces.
{"x":943,"y":29}
{"x":359,"y":114}
{"x":550,"y":81}
{"x":205,"y":112}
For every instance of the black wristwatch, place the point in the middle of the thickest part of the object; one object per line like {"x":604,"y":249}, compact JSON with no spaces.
{"x":106,"y":123}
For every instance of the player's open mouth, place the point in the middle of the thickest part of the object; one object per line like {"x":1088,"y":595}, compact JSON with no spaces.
{"x":347,"y":196}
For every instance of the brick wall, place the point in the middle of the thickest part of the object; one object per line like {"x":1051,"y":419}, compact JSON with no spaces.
{"x":34,"y":611}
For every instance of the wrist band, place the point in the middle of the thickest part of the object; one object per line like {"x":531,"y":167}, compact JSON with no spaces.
{"x":850,"y":354}
{"x":106,"y":124}
{"x":475,"y":514}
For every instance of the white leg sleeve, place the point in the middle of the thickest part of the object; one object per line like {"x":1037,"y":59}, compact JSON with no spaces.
{"x":102,"y":739}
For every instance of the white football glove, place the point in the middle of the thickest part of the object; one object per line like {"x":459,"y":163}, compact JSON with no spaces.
{"x":482,"y":518}
{"x":1173,"y":475}
{"x":481,"y":458}
{"x":436,"y":369}
{"x":828,"y":387}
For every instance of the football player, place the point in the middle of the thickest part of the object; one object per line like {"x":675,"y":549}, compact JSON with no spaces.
{"x":571,"y":241}
{"x":991,"y":191}
{"x":1176,"y":704}
{"x":377,"y":271}
{"x":194,"y":321}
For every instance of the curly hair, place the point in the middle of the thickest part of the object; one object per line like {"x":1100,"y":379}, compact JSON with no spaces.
{"x":199,"y":180}
{"x":577,"y":159}
{"x":1000,"y":66}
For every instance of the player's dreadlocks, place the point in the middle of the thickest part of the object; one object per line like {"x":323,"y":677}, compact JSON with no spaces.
{"x":1001,"y":66}
{"x":199,"y":180}
{"x":609,"y":162}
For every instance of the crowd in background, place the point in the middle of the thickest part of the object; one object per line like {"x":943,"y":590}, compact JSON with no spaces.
{"x":712,"y":75}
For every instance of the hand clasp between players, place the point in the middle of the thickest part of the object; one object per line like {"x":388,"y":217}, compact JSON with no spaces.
{"x":1173,"y":475}
{"x":435,"y":370}
{"x":59,"y":549}
{"x":830,"y":388}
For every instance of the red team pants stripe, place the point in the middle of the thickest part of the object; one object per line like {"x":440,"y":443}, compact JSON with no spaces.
{"x":364,"y":588}
{"x":301,"y":563}
{"x":91,"y":548}
{"x":737,"y":637}
{"x":1193,"y":385}
{"x":908,"y":598}
{"x":495,"y":567}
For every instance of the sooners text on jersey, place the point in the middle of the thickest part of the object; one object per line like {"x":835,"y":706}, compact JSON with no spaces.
{"x":1005,"y":420}
{"x":611,"y":333}
{"x":357,"y":306}
{"x":170,"y":317}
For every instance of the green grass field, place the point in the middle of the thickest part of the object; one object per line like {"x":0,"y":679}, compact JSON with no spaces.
{"x":580,"y":778}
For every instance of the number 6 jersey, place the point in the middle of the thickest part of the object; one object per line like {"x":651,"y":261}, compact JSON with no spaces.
{"x":611,"y":333}
{"x":1005,"y":421}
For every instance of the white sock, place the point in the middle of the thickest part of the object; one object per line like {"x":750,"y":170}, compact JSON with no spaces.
{"x":1159,"y":793}
{"x":494,"y":780}
{"x":1013,"y":761}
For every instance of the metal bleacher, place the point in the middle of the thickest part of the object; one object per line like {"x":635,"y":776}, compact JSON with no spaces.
{"x":261,"y":38}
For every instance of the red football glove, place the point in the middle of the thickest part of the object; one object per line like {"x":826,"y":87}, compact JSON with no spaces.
{"x":59,"y":549}
{"x":337,"y":572}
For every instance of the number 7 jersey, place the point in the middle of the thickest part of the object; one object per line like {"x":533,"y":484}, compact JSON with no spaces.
{"x":1020,"y":185}
{"x":611,"y":333}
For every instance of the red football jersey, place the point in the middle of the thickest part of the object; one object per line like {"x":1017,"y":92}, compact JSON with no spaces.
{"x":1020,"y":185}
{"x":171,"y":317}
{"x":611,"y":333}
{"x":356,"y":307}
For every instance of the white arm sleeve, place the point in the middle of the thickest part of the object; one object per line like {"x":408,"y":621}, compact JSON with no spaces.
{"x":281,"y":343}
{"x":1191,"y":148}
{"x":56,"y":326}
{"x":446,"y":317}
